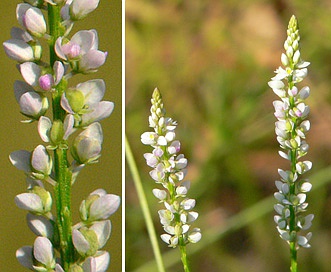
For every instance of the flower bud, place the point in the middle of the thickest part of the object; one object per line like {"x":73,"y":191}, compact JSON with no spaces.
{"x":46,"y":82}
{"x":87,"y":145}
{"x":41,"y":162}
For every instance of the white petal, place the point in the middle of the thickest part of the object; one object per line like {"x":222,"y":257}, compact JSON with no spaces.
{"x":30,"y":72}
{"x":25,"y":257}
{"x":30,"y":202}
{"x":44,"y":127}
{"x":43,"y":252}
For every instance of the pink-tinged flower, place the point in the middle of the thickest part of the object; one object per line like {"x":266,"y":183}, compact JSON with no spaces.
{"x":36,"y":164}
{"x":81,"y":51}
{"x":34,"y":75}
{"x":57,"y":132}
{"x":84,"y":102}
{"x":32,"y":19}
{"x":32,"y":104}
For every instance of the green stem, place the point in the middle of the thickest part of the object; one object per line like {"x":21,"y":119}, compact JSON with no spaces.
{"x":294,"y":264}
{"x":62,"y":174}
{"x":144,"y":206}
{"x":183,"y":257}
{"x":292,"y":185}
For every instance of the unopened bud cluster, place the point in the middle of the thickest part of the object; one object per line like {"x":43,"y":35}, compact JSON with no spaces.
{"x":82,"y":109}
{"x":291,"y":112}
{"x":169,"y":169}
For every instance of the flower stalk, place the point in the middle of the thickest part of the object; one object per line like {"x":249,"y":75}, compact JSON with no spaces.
{"x":291,"y":128}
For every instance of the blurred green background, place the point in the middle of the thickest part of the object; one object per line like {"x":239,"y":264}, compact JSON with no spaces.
{"x":106,"y":19}
{"x":211,"y":61}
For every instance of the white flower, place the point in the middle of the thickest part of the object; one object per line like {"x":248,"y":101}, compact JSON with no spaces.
{"x":32,"y":19}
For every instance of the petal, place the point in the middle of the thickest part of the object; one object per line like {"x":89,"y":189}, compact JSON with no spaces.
{"x":43,"y":252}
{"x":80,"y":242}
{"x":68,"y":126}
{"x":99,"y":112}
{"x":31,"y":104}
{"x":44,"y":127}
{"x":93,"y":131}
{"x":92,"y":60}
{"x":20,"y":34}
{"x":58,"y":71}
{"x":20,"y":11}
{"x":29,"y":202}
{"x":40,"y":160}
{"x":102,"y":230}
{"x":66,"y":105}
{"x":58,"y":48}
{"x":93,"y":90}
{"x":40,"y":225}
{"x":85,"y":39}
{"x":34,"y":22}
{"x":18,"y":50}
{"x":25,"y":257}
{"x":89,"y":265}
{"x":102,"y":260}
{"x":104,"y":207}
{"x":21,"y":87}
{"x":80,"y":9}
{"x":30,"y":72}
{"x":21,"y":160}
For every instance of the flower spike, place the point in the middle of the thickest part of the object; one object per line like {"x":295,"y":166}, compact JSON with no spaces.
{"x":291,"y":127}
{"x":169,"y":169}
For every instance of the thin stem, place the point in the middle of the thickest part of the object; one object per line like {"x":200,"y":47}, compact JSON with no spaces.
{"x":144,"y":206}
{"x":292,"y":185}
{"x":62,"y":174}
{"x":214,"y":234}
{"x":294,"y":264}
{"x":183,"y":257}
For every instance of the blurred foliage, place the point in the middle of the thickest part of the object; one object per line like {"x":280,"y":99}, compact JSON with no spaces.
{"x":14,"y":135}
{"x":211,"y":61}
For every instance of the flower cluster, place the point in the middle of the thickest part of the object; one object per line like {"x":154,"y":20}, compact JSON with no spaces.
{"x":169,"y":169}
{"x":77,"y":111}
{"x":291,"y":128}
